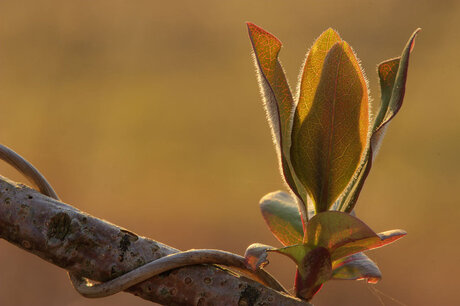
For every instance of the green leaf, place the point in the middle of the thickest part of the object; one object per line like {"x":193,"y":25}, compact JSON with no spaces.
{"x":333,"y":229}
{"x":333,"y":249}
{"x":272,"y":80}
{"x":330,"y":123}
{"x":355,"y":267}
{"x":369,"y":243}
{"x":311,"y":72}
{"x":344,"y":235}
{"x":282,"y":216}
{"x":296,"y":252}
{"x":277,"y":97}
{"x":387,"y":71}
{"x":392,"y":75}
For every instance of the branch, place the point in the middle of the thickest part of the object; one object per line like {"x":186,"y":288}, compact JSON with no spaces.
{"x":95,"y":249}
{"x":150,"y":269}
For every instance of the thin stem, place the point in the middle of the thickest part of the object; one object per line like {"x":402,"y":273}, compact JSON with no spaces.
{"x":173,"y":261}
{"x":28,"y":170}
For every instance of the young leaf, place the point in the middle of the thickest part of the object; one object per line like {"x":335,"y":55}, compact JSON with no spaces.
{"x":344,"y":235}
{"x":312,"y":70}
{"x":333,"y":229}
{"x":364,"y":244}
{"x":255,"y":256}
{"x":311,"y":73}
{"x":393,"y":75}
{"x":277,"y":98}
{"x":355,"y":267}
{"x":387,"y":71}
{"x":296,"y":252}
{"x":332,"y":249}
{"x":282,"y":216}
{"x":329,"y":134}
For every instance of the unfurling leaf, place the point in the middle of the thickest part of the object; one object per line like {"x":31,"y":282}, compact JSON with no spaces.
{"x":331,"y":121}
{"x":355,"y":267}
{"x":393,"y":76}
{"x":255,"y":256}
{"x":277,"y":95}
{"x":281,"y":214}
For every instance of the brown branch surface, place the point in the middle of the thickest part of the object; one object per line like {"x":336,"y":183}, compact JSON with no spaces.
{"x":100,"y":251}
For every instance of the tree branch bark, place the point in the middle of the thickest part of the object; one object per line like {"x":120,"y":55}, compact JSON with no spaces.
{"x":100,"y":251}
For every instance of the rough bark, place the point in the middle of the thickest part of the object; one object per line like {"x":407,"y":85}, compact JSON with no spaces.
{"x":100,"y":251}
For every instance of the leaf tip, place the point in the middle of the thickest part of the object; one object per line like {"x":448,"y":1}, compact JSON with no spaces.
{"x":256,"y":32}
{"x":391,"y":236}
{"x":251,"y":28}
{"x":250,"y":25}
{"x":331,"y":31}
{"x":412,"y":39}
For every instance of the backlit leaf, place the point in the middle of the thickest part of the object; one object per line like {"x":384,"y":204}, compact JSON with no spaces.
{"x":344,"y":235}
{"x":387,"y":71}
{"x":355,"y":267}
{"x":330,"y":127}
{"x":333,"y":229}
{"x":278,"y":99}
{"x":296,"y":252}
{"x":353,"y":247}
{"x":391,"y":236}
{"x":281,"y":214}
{"x":311,"y":73}
{"x":312,"y":68}
{"x":392,"y":75}
{"x":365,"y":244}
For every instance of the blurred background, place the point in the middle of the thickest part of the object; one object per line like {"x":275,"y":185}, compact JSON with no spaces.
{"x":148,"y":114}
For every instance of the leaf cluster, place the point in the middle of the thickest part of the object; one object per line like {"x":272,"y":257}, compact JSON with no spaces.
{"x":326,"y":141}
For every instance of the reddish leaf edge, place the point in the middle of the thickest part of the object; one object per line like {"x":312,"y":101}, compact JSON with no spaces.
{"x":287,"y":170}
{"x":352,"y":193}
{"x":356,"y":267}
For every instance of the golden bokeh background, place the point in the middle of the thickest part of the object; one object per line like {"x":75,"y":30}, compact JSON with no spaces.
{"x":147,"y":114}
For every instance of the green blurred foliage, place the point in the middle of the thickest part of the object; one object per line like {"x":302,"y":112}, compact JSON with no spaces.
{"x":147,"y":114}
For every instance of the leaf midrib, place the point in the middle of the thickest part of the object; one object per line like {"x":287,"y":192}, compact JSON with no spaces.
{"x":325,"y":179}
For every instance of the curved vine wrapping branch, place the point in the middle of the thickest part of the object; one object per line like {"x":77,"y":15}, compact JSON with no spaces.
{"x":148,"y":270}
{"x":170,"y":262}
{"x":28,"y":170}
